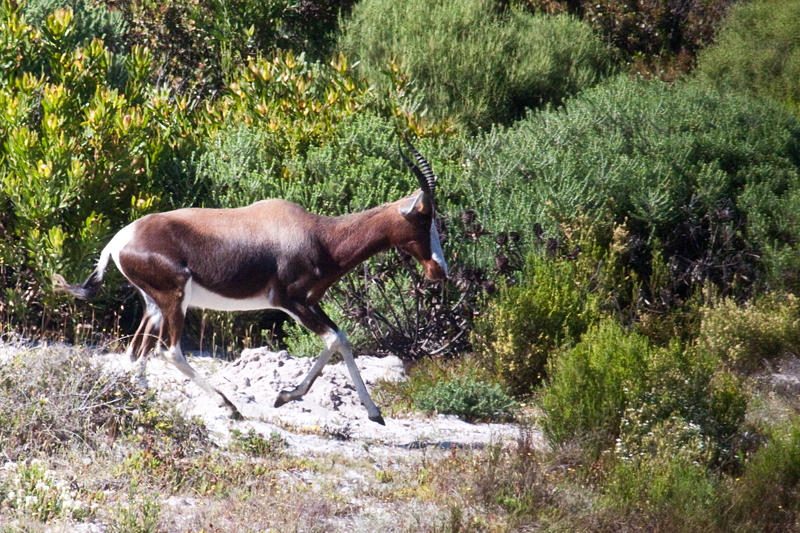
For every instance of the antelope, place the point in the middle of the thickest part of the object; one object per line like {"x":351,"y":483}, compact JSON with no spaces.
{"x":272,"y":254}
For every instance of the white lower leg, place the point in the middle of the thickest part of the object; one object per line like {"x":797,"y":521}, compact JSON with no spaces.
{"x":331,"y":342}
{"x":346,"y":350}
{"x":139,"y":371}
{"x":175,"y":356}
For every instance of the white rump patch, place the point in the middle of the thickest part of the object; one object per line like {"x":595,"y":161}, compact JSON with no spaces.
{"x":436,"y":247}
{"x":117,"y":243}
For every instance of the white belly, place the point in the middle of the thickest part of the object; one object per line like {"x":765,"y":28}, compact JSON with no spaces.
{"x":199,"y":296}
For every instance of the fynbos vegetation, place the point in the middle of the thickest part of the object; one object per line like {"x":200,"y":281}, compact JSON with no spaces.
{"x":618,"y":207}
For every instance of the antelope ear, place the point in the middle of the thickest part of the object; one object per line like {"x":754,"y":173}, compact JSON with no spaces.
{"x":417,"y":203}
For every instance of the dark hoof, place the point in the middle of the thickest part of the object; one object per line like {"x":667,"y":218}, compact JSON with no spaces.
{"x":377,"y":418}
{"x":280,"y":400}
{"x":233,"y":412}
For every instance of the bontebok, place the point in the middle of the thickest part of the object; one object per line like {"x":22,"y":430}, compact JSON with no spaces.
{"x":270,"y":255}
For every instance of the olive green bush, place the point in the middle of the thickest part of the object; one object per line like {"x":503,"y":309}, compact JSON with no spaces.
{"x":472,"y":61}
{"x":592,"y":383}
{"x":467,"y":398}
{"x":757,"y":51}
{"x":709,"y":178}
{"x":747,"y":336}
{"x":616,"y":388}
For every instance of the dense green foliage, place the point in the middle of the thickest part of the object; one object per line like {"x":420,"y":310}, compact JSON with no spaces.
{"x":757,"y":51}
{"x":473,"y":62}
{"x":710,"y":179}
{"x":657,"y":39}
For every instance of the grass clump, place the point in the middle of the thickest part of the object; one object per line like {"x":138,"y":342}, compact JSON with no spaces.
{"x":468,"y":398}
{"x":254,"y":444}
{"x":765,"y":496}
{"x":474,"y":62}
{"x":55,"y":397}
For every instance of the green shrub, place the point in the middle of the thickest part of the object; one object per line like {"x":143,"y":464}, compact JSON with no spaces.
{"x":472,"y":61}
{"x":591,"y":385}
{"x":530,"y":320}
{"x":30,"y":489}
{"x":757,"y":51}
{"x":92,"y":20}
{"x":764,"y":496}
{"x":565,"y":287}
{"x":749,"y":335}
{"x":709,"y":178}
{"x":468,"y":398}
{"x":616,"y":387}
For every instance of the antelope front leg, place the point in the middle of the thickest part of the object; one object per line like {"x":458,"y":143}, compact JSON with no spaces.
{"x":335,"y":340}
{"x":346,"y":350}
{"x":331,"y":342}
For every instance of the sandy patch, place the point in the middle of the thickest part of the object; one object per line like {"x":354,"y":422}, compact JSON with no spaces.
{"x":330,"y":417}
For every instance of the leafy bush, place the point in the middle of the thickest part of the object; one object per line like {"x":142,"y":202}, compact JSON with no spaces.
{"x":757,"y":51}
{"x":706,"y":177}
{"x":472,"y":61}
{"x":567,"y":285}
{"x":469,"y":399}
{"x":92,"y":20}
{"x":198,"y":45}
{"x":747,"y":336}
{"x":616,"y":386}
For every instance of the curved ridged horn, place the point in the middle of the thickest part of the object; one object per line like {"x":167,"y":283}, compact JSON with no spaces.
{"x":430,"y":177}
{"x":423,"y":183}
{"x":425,"y":177}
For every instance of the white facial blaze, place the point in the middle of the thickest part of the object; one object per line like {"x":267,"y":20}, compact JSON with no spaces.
{"x":436,"y":247}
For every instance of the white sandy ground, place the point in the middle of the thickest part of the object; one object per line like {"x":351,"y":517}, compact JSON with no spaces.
{"x":329,"y":422}
{"x":329,"y":418}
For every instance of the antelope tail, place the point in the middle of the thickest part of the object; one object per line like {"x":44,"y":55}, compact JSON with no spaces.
{"x":88,"y":289}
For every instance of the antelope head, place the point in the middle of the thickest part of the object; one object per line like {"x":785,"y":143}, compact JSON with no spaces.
{"x":421,"y":238}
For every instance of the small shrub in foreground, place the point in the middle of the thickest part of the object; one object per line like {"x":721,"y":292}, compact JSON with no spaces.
{"x":590,"y":385}
{"x":616,"y":387}
{"x":468,"y":398}
{"x":29,"y":488}
{"x":530,"y":320}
